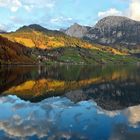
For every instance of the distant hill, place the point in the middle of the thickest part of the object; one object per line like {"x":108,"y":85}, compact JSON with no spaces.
{"x":112,"y":30}
{"x":14,"y":53}
{"x":2,"y":31}
{"x":38,"y":28}
{"x":35,"y":36}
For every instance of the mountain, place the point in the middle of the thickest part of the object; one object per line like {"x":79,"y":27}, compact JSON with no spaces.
{"x":50,"y":46}
{"x":36,"y":27}
{"x":115,"y":29}
{"x":111,"y":30}
{"x":2,"y":31}
{"x":77,"y":30}
{"x":14,"y":53}
{"x":37,"y":37}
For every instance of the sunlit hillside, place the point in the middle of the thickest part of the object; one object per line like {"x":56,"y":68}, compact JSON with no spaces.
{"x":35,"y":36}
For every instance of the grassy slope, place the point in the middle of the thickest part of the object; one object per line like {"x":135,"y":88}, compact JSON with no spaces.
{"x":87,"y":56}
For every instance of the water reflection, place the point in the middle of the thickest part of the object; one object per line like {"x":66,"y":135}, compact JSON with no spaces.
{"x":70,"y":102}
{"x":59,"y":118}
{"x":110,"y":87}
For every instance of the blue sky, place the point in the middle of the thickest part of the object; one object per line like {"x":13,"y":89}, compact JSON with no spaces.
{"x":56,"y":14}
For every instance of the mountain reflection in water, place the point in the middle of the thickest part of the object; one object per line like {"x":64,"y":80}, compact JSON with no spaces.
{"x":111,"y":87}
{"x":70,"y":102}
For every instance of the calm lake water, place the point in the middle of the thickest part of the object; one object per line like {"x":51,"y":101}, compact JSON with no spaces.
{"x":70,"y":102}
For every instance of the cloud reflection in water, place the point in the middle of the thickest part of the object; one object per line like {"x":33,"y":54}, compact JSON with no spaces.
{"x":56,"y":118}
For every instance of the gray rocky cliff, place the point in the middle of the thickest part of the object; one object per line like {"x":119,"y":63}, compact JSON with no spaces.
{"x":109,"y":30}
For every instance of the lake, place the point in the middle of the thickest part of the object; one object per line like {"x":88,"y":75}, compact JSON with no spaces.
{"x":66,"y":102}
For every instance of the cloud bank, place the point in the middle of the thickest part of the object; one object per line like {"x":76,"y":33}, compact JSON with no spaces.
{"x":134,"y":9}
{"x":132,"y":12}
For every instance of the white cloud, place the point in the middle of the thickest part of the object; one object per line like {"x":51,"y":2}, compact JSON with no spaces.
{"x":28,"y":8}
{"x":2,"y":27}
{"x":13,"y":5}
{"x":133,"y":114}
{"x":38,"y":4}
{"x":110,"y":12}
{"x":28,"y":5}
{"x":14,"y":9}
{"x":134,"y":9}
{"x":5,"y":27}
{"x":60,"y":19}
{"x":50,"y":5}
{"x":17,"y":20}
{"x":132,"y":12}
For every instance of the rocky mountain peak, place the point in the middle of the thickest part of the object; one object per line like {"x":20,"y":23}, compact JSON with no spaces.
{"x":110,"y":30}
{"x":77,"y":30}
{"x":115,"y":29}
{"x":76,"y":25}
{"x":114,"y":21}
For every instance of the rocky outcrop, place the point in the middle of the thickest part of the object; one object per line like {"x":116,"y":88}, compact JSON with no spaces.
{"x":77,"y":30}
{"x":109,"y":30}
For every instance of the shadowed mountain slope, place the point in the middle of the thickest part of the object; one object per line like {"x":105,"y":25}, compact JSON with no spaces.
{"x":14,"y":53}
